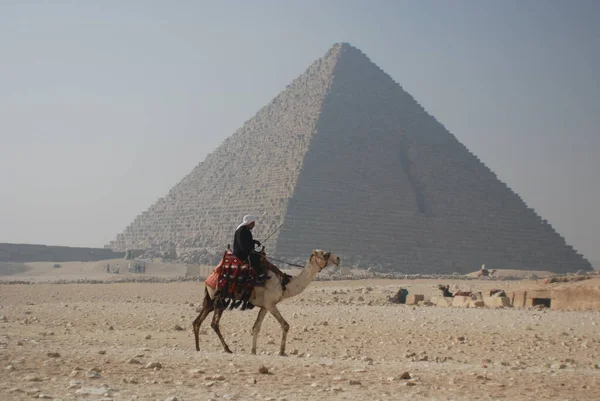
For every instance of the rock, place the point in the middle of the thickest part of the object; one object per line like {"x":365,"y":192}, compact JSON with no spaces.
{"x":263,"y":370}
{"x":32,"y":378}
{"x":102,"y":352}
{"x":354,"y":382}
{"x":173,"y":399}
{"x":405,"y":376}
{"x":111,"y":328}
{"x":9,"y":368}
{"x":153,"y":365}
{"x":133,"y":361}
{"x":92,"y":374}
{"x":215,"y":377}
{"x":74,"y":384}
{"x":178,"y":328}
{"x":45,"y":396}
{"x":53,"y":355}
{"x":195,"y":371}
{"x":92,"y":391}
{"x":148,"y":336}
{"x":130,"y":380}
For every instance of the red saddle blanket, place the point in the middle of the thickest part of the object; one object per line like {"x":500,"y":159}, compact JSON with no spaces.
{"x":228,"y":261}
{"x":232,"y":278}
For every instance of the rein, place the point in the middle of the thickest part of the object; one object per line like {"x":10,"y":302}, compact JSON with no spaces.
{"x":312,"y":256}
{"x":287,"y":263}
{"x":326,"y":261}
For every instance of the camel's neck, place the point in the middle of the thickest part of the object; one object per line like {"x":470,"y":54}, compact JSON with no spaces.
{"x":299,"y":283}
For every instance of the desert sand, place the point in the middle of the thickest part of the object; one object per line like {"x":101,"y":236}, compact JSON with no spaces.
{"x":133,"y":341}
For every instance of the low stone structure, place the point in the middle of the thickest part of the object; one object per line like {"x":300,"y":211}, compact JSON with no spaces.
{"x":44,"y":253}
{"x":573,"y":298}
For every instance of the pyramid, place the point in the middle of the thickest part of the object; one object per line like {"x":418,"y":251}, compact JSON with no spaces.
{"x":345,"y":159}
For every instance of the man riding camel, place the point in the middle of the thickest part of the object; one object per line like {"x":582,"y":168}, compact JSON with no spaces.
{"x":243,"y":249}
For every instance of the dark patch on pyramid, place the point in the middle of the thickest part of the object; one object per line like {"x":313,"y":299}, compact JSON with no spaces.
{"x":347,"y":160}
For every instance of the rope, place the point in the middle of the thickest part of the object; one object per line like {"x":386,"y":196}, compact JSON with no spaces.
{"x":287,"y":263}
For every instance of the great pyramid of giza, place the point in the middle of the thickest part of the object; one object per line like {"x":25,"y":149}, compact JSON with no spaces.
{"x":346,"y":160}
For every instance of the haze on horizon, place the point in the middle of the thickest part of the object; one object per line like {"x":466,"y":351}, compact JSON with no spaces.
{"x":104,"y":107}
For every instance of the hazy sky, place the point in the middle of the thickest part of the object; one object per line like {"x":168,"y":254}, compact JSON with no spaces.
{"x":105,"y":105}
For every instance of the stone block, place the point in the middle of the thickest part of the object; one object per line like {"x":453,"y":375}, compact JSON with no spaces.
{"x":442,"y":301}
{"x":496,"y":302}
{"x":413,"y":299}
{"x":461,"y":301}
{"x":476,"y":303}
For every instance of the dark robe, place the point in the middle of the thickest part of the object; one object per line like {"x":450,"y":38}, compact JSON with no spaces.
{"x":243,"y":243}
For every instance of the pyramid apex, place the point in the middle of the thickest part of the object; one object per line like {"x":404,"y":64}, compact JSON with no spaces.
{"x":342,"y":45}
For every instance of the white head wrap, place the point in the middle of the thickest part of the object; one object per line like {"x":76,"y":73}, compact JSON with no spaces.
{"x":249,"y":218}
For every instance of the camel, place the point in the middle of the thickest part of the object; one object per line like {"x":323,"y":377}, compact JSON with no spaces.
{"x":266,"y":298}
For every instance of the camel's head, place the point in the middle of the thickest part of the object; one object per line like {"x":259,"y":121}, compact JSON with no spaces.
{"x":324,"y":258}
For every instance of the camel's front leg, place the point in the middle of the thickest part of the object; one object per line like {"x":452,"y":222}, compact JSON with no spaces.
{"x":284,"y":327}
{"x":256,"y":328}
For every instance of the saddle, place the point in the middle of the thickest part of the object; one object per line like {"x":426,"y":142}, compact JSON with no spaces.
{"x":234,"y":281}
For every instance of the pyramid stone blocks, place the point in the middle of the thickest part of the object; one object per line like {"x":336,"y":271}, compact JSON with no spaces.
{"x":347,"y":160}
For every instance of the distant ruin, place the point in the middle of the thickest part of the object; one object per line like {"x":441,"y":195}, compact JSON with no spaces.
{"x":345,"y":159}
{"x":43,"y":253}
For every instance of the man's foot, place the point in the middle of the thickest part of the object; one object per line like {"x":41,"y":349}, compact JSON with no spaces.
{"x":285,"y":278}
{"x":260,"y":280}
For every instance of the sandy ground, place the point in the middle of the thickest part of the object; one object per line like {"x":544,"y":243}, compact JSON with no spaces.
{"x":346,"y":342}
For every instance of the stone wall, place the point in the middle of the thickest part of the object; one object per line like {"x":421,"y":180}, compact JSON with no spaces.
{"x":43,"y":253}
{"x":574,"y":298}
{"x":347,"y":160}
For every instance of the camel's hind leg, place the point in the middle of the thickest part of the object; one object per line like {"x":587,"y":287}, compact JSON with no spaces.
{"x":256,"y":328}
{"x":207,"y":307}
{"x":284,"y":327}
{"x":215,"y":325}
